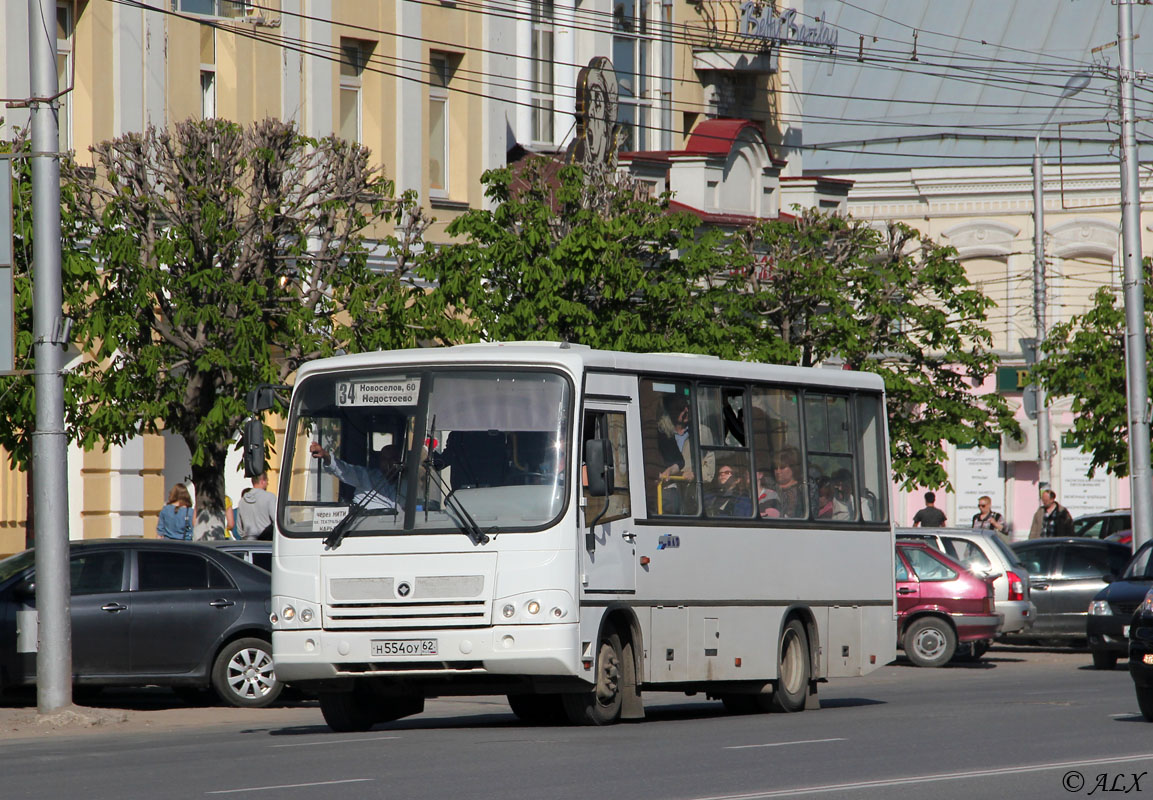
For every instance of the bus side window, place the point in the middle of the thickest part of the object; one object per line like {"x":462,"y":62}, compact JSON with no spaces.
{"x":608,"y":425}
{"x":776,"y":429}
{"x":669,"y":447}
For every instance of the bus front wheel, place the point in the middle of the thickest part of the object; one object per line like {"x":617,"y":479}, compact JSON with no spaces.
{"x":601,"y":705}
{"x":793,"y":669}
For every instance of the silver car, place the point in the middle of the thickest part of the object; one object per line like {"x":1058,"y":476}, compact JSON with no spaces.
{"x":983,"y":552}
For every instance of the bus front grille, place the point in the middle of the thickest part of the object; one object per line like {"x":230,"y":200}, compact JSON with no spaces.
{"x":406,"y":616}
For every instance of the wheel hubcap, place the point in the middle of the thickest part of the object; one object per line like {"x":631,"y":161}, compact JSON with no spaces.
{"x":930,"y":643}
{"x":250,"y":674}
{"x":608,"y":679}
{"x":791,"y":663}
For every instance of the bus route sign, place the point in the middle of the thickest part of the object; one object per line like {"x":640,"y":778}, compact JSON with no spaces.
{"x":401,"y":392}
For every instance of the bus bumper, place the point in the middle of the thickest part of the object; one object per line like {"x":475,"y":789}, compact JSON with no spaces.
{"x":530,"y":650}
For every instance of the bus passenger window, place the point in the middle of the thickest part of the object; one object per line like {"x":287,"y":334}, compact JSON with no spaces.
{"x":672,"y":484}
{"x":776,"y":432}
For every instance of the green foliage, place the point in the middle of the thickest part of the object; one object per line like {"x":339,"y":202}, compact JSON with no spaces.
{"x":822,"y":287}
{"x":18,"y":393}
{"x":1085,"y":360}
{"x":228,"y":257}
{"x":592,"y":261}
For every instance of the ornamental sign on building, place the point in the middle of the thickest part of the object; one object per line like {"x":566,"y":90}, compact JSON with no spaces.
{"x":784,"y":27}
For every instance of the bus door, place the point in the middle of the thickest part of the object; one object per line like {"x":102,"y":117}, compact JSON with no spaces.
{"x":607,"y":534}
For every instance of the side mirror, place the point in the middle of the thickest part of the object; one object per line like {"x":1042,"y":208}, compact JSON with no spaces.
{"x":252,"y":447}
{"x":599,"y":466}
{"x":261,"y":398}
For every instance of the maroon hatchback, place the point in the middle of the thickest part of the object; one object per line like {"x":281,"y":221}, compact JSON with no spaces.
{"x":940,"y":603}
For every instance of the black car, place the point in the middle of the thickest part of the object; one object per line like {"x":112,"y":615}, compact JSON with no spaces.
{"x":1141,"y":655}
{"x":150,"y":612}
{"x":1064,"y":576}
{"x":1112,"y":609}
{"x":1103,"y":524}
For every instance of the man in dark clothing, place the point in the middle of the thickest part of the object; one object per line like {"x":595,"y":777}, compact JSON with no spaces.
{"x":1052,"y":518}
{"x":930,"y":516}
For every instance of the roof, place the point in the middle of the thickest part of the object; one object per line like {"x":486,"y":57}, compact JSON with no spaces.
{"x":967,"y":82}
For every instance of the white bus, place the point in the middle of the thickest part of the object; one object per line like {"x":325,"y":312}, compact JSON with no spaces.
{"x":573,"y":528}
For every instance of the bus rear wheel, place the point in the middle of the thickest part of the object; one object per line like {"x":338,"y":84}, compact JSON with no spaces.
{"x":601,"y":705}
{"x":793,"y":669}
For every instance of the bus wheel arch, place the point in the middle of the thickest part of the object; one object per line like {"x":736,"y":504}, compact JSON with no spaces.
{"x":615,"y":694}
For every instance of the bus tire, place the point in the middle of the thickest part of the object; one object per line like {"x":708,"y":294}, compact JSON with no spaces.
{"x":348,"y":712}
{"x":929,"y":642}
{"x":602,"y":704}
{"x":537,"y":709}
{"x":793,"y":669}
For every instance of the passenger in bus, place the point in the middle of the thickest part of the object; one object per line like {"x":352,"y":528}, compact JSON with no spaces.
{"x":376,"y":487}
{"x":843,"y":493}
{"x":729,"y":496}
{"x":786,"y":468}
{"x":768,"y":501}
{"x":828,"y":506}
{"x":674,"y":438}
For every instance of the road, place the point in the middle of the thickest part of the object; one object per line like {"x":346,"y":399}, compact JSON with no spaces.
{"x":1021,"y":724}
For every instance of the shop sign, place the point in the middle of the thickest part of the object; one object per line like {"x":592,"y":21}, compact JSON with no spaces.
{"x":762,"y":21}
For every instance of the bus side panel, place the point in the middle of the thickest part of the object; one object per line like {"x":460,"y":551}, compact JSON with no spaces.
{"x":733,"y":643}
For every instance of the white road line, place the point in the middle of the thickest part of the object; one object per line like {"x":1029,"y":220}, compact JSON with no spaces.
{"x":782,"y":744}
{"x":939,"y":777}
{"x":335,"y":741}
{"x":290,"y":786}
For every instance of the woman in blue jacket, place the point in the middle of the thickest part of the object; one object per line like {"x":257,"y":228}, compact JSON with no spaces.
{"x":175,"y":520}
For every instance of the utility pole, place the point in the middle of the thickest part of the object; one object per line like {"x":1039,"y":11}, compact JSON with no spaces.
{"x":1141,"y":489}
{"x":49,"y":335}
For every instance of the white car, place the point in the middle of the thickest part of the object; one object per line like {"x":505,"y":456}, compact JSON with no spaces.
{"x":983,"y":552}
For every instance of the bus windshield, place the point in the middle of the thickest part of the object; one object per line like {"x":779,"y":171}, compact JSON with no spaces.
{"x":429,"y":451}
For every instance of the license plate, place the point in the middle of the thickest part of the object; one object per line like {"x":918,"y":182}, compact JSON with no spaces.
{"x":404,"y":647}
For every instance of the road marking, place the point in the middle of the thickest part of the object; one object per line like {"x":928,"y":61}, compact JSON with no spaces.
{"x":290,"y":786}
{"x":782,"y":744}
{"x":937,"y":778}
{"x":335,"y":741}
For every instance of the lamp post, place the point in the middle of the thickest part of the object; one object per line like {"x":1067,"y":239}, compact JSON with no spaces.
{"x":1044,"y":444}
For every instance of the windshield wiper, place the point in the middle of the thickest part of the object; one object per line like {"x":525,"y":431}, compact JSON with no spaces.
{"x":457,"y":512}
{"x":355,"y":512}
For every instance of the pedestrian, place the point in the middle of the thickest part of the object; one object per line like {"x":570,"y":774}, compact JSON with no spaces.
{"x":176,"y":518}
{"x":930,"y":516}
{"x":256,"y":510}
{"x":986,"y":518}
{"x":1052,"y":518}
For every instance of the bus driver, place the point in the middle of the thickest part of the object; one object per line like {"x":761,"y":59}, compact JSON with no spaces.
{"x":376,"y":487}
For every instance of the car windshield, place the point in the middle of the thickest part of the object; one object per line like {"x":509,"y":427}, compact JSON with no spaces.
{"x":428,"y":450}
{"x":14,"y":565}
{"x":1139,"y":567}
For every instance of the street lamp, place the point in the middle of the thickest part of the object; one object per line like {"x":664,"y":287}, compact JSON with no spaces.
{"x":1044,"y":445}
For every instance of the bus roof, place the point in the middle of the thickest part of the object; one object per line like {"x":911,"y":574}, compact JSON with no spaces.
{"x":578,"y":358}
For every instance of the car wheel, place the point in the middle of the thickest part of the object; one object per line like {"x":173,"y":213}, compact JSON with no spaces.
{"x":537,"y":709}
{"x":929,"y":642}
{"x":1145,"y":701}
{"x":1103,"y":660}
{"x":602,"y":704}
{"x":243,"y":674}
{"x":793,"y":671}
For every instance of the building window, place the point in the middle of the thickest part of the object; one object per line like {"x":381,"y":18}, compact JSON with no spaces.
{"x":64,"y":31}
{"x":229,"y":9}
{"x":634,"y":50}
{"x":441,"y":67}
{"x":207,"y":72}
{"x":354,"y":55}
{"x":542,"y":71}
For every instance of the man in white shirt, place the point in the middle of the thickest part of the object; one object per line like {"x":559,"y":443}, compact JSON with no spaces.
{"x":376,"y":487}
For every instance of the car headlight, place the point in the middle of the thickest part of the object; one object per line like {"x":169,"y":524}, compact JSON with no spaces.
{"x":290,"y":612}
{"x":543,"y":606}
{"x":1100,"y":608}
{"x":1146,"y":606}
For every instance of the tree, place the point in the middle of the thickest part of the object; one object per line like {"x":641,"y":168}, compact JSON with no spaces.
{"x":1085,"y":360}
{"x":227,"y":257}
{"x":821,"y":287}
{"x":17,"y":392}
{"x":565,"y":255}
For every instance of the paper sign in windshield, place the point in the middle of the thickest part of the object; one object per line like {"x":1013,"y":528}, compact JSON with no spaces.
{"x":325,"y":519}
{"x":378,"y":393}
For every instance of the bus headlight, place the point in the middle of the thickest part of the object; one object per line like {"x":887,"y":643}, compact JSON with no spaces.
{"x":292,"y":613}
{"x":538,"y":607}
